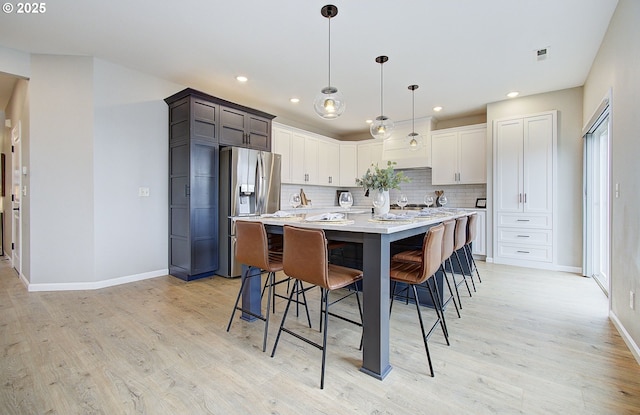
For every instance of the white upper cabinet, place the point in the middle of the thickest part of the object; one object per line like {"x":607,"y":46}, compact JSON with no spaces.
{"x":523,"y":164}
{"x":369,"y":152}
{"x":348,"y":164}
{"x":396,"y":148}
{"x":309,"y":158}
{"x":281,"y":144}
{"x":459,"y":155}
{"x":328,"y":163}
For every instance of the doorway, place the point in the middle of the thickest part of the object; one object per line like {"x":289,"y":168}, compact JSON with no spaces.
{"x":16,"y":197}
{"x":597,"y":201}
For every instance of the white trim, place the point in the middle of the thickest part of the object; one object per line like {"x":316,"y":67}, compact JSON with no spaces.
{"x":595,"y":116}
{"x":633,"y":347}
{"x":75,"y":286}
{"x":566,"y":268}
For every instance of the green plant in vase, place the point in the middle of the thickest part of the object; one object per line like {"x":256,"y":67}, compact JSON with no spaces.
{"x":381,"y":181}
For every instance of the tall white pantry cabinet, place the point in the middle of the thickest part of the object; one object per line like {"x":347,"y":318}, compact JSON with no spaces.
{"x":524,"y":189}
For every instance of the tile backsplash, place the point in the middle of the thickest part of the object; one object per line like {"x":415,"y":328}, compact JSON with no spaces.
{"x":461,"y":195}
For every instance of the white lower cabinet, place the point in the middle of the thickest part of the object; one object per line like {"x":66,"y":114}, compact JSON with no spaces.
{"x":479,"y":246}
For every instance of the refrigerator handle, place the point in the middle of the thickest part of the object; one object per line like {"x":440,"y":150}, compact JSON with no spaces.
{"x":260,"y":202}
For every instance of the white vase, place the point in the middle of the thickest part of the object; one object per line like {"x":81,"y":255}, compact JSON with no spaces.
{"x":385,"y":207}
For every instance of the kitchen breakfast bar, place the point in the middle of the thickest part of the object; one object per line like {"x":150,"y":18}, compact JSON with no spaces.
{"x":376,"y":237}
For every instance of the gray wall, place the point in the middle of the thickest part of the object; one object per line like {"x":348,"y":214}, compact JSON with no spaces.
{"x":617,"y":67}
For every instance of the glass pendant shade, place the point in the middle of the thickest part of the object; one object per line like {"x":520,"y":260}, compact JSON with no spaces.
{"x":382,"y":127}
{"x":415,"y":141}
{"x":329,"y":103}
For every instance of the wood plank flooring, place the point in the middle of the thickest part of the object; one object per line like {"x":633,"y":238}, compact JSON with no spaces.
{"x":528,"y":342}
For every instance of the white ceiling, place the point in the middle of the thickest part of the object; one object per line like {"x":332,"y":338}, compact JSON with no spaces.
{"x":462,"y":53}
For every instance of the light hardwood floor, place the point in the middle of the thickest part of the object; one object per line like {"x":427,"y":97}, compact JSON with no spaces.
{"x":528,"y":342}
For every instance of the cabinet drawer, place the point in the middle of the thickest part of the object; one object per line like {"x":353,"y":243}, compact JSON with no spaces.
{"x":524,"y":221}
{"x":524,"y":236}
{"x":525,"y":252}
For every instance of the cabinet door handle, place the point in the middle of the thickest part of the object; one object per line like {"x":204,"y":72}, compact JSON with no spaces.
{"x":187,"y":190}
{"x":522,"y":220}
{"x":330,"y":179}
{"x":519,"y":197}
{"x":525,"y":198}
{"x":523,"y":236}
{"x":523,"y":252}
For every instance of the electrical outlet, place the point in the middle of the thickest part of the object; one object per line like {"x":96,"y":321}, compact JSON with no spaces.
{"x":143,"y":191}
{"x":632,"y":300}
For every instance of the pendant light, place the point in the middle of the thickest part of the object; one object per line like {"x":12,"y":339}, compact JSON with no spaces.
{"x":382,"y":126}
{"x":415,"y":141}
{"x":329,"y":103}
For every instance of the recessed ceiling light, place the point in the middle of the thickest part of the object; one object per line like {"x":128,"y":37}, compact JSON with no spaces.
{"x":513,"y":94}
{"x":437,"y":109}
{"x":295,"y":100}
{"x":368,"y":121}
{"x":241,"y":78}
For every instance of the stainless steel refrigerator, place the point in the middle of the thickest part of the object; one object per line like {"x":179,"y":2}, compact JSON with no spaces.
{"x":249,"y":186}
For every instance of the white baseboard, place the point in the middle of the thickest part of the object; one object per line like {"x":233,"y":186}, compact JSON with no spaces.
{"x":489,"y":260}
{"x":75,"y":286}
{"x":635,"y":350}
{"x":573,"y":270}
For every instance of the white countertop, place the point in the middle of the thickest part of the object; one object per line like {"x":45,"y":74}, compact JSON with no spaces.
{"x":359,"y":222}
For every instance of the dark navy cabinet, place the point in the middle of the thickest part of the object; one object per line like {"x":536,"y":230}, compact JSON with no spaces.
{"x":198,"y":125}
{"x":193,"y":185}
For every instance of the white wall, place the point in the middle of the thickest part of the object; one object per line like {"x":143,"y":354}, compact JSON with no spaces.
{"x":61,"y":169}
{"x":130,"y":151}
{"x":98,"y":132}
{"x":15,"y":62}
{"x":568,"y":102}
{"x":617,"y":66}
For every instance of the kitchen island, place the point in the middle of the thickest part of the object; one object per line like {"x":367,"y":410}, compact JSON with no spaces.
{"x":376,"y":237}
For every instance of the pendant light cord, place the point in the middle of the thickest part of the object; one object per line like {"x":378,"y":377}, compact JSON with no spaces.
{"x":329,"y":52}
{"x":381,"y":91}
{"x":413,"y":111}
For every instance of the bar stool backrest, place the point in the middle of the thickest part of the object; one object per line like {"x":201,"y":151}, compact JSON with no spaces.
{"x":461,"y":233}
{"x":431,"y":252}
{"x":471,"y":228}
{"x":252,"y":247}
{"x":447,"y":239}
{"x":305,"y":255}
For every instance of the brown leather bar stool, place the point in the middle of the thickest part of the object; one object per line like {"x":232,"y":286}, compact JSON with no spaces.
{"x":306,"y":259}
{"x":252,"y":249}
{"x":460,"y":241}
{"x":447,"y":250}
{"x":472,"y":223}
{"x":414,"y":274}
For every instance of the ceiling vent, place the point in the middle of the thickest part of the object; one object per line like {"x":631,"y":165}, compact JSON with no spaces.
{"x":542,"y":54}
